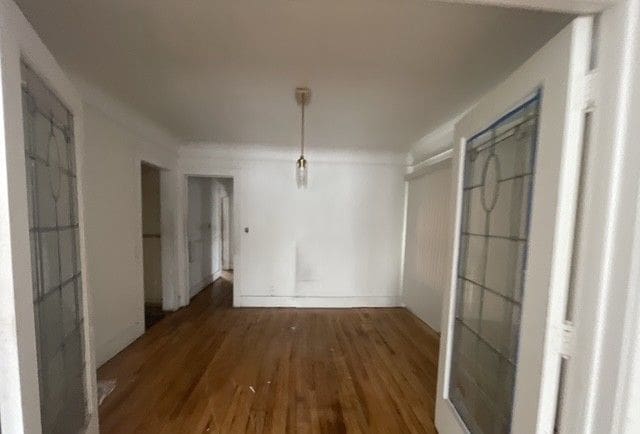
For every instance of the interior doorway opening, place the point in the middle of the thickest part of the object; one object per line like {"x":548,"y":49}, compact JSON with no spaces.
{"x":151,"y":244}
{"x":210,"y":240}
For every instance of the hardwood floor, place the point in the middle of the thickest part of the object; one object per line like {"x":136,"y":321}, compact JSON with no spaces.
{"x":210,"y":368}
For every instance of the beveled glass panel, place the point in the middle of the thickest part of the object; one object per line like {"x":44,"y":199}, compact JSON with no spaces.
{"x":504,"y":265}
{"x":469,"y":304}
{"x":495,"y":323}
{"x":498,"y":182}
{"x":40,"y":135}
{"x":71,"y":160}
{"x":509,"y":218}
{"x":67,"y":255}
{"x":46,"y":202}
{"x":64,"y":204}
{"x":515,"y":152}
{"x":69,"y":308}
{"x":51,"y":324}
{"x":55,"y":258}
{"x":74,"y":384}
{"x":54,"y":388}
{"x":76,"y":250}
{"x":79,"y":313}
{"x":474,"y":259}
{"x":50,"y":260}
{"x":35,"y":266}
{"x":476,"y":216}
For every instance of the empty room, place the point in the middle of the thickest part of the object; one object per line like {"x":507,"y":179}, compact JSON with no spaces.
{"x":304,"y":216}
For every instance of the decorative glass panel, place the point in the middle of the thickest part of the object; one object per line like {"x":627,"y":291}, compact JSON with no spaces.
{"x":53,"y":230}
{"x":498,"y":181}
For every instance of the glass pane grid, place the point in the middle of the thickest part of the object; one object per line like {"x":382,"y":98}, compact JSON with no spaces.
{"x":54,"y":232}
{"x":498,"y":182}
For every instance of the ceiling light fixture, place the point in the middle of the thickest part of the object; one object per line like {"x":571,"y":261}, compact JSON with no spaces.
{"x":303,"y":96}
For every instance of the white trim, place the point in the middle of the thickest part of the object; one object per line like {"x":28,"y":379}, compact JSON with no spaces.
{"x":225,"y":152}
{"x":572,"y":6}
{"x":168,"y":232}
{"x":430,"y":165}
{"x":435,"y":142}
{"x":170,"y":286}
{"x":19,"y":394}
{"x":599,"y":397}
{"x":592,"y":87}
{"x":199,"y":286}
{"x":447,"y":419}
{"x":317,"y":302}
{"x":403,"y":243}
{"x":559,"y":67}
{"x":108,"y":349}
{"x":205,"y":169}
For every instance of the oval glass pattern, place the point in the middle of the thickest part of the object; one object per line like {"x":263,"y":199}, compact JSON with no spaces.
{"x":490,"y":182}
{"x":53,"y":164}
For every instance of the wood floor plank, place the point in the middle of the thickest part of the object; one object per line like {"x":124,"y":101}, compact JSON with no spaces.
{"x":212,"y":368}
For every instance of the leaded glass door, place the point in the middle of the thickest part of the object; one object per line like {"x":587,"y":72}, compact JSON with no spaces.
{"x":516,"y":182}
{"x":55,"y":256}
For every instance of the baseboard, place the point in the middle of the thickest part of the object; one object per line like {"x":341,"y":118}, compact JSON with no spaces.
{"x":317,"y":302}
{"x":419,"y":318}
{"x":105,"y":351}
{"x":93,"y":426}
{"x":195,"y":289}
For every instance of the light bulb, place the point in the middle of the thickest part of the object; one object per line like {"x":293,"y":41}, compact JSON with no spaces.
{"x":301,"y":172}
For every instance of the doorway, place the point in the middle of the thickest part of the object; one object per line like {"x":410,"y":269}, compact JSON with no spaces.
{"x":210,"y":241}
{"x":151,"y":244}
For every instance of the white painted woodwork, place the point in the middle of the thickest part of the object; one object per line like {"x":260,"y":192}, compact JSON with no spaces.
{"x":19,"y":393}
{"x":604,"y":377}
{"x":572,"y":6}
{"x":558,"y":69}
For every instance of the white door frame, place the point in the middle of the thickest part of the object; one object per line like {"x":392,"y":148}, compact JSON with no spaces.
{"x":225,"y":232}
{"x":167,"y":234}
{"x":166,"y":162}
{"x":204,"y":170}
{"x":603,"y":386}
{"x":561,"y":76}
{"x":19,"y":392}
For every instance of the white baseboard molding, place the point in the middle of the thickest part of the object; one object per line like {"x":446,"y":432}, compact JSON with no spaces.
{"x":195,"y":289}
{"x":106,"y":350}
{"x":434,"y":327}
{"x":317,"y":302}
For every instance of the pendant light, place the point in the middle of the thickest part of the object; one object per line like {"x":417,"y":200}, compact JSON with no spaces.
{"x":303,"y":95}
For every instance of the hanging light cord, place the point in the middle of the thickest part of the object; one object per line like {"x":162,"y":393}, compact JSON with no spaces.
{"x":302,"y":128}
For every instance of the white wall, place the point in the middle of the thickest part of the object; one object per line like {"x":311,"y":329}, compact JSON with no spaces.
{"x":114,"y":150}
{"x":338,"y":243}
{"x":429,"y":231}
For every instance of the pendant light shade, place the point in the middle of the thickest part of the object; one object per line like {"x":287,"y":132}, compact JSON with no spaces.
{"x":301,"y":172}
{"x":303,"y":95}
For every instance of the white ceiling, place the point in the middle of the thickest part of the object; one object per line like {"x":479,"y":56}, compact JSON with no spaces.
{"x":382,"y":72}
